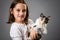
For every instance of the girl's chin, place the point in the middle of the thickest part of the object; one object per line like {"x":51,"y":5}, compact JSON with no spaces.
{"x":21,"y":19}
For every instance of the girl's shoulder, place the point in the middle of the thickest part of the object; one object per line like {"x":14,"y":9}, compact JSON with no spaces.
{"x":15,"y":25}
{"x":30,"y":21}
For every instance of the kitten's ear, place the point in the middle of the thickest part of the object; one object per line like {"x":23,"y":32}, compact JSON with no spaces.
{"x":41,"y":15}
{"x":49,"y":17}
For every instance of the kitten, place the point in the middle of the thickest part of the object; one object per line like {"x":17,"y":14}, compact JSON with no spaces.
{"x":40,"y":25}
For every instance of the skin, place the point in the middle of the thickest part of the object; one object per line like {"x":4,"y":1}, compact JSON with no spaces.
{"x":19,"y":12}
{"x":33,"y":34}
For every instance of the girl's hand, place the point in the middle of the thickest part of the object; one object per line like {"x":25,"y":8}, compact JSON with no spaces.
{"x":33,"y":34}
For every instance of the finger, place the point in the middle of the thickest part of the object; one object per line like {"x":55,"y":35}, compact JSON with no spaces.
{"x":35,"y":35}
{"x":31,"y":35}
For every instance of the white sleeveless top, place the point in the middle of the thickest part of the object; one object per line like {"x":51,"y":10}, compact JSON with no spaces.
{"x":19,"y":31}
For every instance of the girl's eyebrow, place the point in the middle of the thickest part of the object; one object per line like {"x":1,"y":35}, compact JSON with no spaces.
{"x":24,"y":9}
{"x":20,"y":9}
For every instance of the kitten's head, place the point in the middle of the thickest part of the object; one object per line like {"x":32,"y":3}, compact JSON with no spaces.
{"x":44,"y":17}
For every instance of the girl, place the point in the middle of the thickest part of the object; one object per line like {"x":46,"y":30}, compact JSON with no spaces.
{"x":20,"y":23}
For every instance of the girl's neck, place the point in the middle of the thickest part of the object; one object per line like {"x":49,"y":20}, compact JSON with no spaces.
{"x":21,"y":22}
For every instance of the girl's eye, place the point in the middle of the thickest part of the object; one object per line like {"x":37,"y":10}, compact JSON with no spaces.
{"x":24,"y":10}
{"x":18,"y":10}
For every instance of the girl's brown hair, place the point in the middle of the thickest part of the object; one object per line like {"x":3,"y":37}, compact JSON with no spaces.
{"x":11,"y":17}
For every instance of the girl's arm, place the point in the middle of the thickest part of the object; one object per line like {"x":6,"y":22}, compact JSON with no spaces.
{"x":33,"y":33}
{"x":15,"y":33}
{"x":17,"y":38}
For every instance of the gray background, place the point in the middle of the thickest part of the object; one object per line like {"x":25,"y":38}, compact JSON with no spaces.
{"x":48,"y":7}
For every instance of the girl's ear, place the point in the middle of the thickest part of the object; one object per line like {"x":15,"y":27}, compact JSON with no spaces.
{"x":11,"y":11}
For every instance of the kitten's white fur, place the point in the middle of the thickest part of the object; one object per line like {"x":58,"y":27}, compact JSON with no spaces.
{"x":42,"y":25}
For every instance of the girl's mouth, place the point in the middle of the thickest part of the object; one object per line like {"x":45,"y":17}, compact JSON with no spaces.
{"x":22,"y":16}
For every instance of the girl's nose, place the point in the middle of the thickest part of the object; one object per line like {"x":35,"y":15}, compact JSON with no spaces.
{"x":21,"y":13}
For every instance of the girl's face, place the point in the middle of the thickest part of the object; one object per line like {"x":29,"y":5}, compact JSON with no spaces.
{"x":19,"y":12}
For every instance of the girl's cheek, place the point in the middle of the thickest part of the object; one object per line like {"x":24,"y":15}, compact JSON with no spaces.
{"x":15,"y":14}
{"x":25,"y":15}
